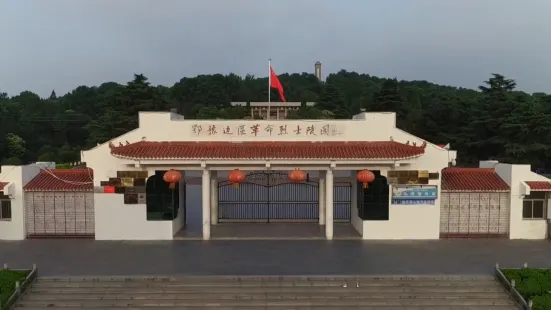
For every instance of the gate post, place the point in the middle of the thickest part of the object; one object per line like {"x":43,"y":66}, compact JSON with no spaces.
{"x":329,"y":204}
{"x":353,"y":195}
{"x":214,"y":198}
{"x":321,"y":198}
{"x":205,"y":191}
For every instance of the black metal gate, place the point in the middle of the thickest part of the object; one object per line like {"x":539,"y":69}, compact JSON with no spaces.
{"x":271,"y":197}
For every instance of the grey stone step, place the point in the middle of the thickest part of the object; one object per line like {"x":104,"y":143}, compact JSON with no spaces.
{"x":263,"y":303}
{"x":438,"y":292}
{"x":268,"y":278}
{"x":261,"y":296}
{"x":84,"y":284}
{"x":296,"y":308}
{"x":237,"y":290}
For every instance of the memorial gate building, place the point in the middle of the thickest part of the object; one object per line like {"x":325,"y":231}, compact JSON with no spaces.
{"x":364,"y":173}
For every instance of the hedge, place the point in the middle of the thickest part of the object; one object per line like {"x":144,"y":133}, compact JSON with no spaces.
{"x":532,"y":284}
{"x":7,"y":282}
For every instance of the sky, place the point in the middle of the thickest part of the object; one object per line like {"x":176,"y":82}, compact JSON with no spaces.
{"x":61,"y":44}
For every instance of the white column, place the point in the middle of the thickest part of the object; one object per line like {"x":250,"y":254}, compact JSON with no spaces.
{"x":205,"y":187}
{"x":214,"y":197}
{"x":354,"y":194}
{"x":329,"y":204}
{"x":321,"y":199}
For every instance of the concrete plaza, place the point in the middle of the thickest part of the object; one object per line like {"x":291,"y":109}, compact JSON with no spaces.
{"x":272,"y":257}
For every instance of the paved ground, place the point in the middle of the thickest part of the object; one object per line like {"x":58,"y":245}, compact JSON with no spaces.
{"x":89,"y":257}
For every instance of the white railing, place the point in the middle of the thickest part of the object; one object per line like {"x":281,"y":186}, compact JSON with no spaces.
{"x":511,"y":289}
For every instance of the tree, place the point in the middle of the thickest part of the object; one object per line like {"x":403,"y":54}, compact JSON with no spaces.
{"x":332,"y":99}
{"x":16,"y":146}
{"x":53,"y":96}
{"x":306,"y":112}
{"x":388,"y":99}
{"x":494,"y":121}
{"x":208,"y":113}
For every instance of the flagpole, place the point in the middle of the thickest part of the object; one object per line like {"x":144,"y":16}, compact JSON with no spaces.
{"x":269,"y":88}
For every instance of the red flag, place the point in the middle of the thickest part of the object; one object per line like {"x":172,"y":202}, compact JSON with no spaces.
{"x":275,"y":83}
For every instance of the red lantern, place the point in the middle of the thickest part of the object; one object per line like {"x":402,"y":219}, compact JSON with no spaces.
{"x":365,"y":176}
{"x":297,"y":175}
{"x":172,"y":177}
{"x":236,"y":176}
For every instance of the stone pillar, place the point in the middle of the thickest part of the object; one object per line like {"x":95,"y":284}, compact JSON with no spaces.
{"x":214,"y":198}
{"x":321,"y":198}
{"x":329,"y":204}
{"x":205,"y":187}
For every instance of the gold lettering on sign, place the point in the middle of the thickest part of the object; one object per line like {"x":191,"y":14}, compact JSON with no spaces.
{"x":254,"y":129}
{"x":196,"y":129}
{"x":241,"y":130}
{"x":227,"y":131}
{"x":324,"y":131}
{"x":258,"y":129}
{"x":212,"y":130}
{"x":269,"y":129}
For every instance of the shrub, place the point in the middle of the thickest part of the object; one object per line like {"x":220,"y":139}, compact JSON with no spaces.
{"x":7,"y":282}
{"x":532,"y":284}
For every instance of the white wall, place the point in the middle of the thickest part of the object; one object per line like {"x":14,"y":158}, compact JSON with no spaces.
{"x":166,"y":126}
{"x":17,"y":177}
{"x":118,"y":221}
{"x":407,"y":221}
{"x":514,"y":175}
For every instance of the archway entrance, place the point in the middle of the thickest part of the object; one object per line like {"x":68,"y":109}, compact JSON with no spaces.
{"x":373,"y":202}
{"x":162,"y":202}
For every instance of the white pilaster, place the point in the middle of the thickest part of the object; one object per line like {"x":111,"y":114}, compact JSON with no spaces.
{"x":329,"y":204}
{"x":205,"y":188}
{"x":321,"y":199}
{"x":354,"y":193}
{"x":214,"y":197}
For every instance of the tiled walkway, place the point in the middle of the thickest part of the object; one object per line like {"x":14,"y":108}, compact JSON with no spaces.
{"x":273,"y":231}
{"x":283,"y":257}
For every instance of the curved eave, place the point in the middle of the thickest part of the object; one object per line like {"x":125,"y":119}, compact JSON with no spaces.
{"x":265,"y":158}
{"x":475,"y":191}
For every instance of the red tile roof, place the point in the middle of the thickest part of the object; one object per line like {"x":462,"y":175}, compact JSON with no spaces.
{"x":472,"y":180}
{"x":2,"y":185}
{"x":539,"y":185}
{"x":267,"y":150}
{"x":62,"y":180}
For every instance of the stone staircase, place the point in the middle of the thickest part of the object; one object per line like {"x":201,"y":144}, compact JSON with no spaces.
{"x":247,"y":293}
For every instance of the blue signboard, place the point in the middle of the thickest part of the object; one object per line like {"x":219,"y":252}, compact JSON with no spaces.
{"x":414,"y":192}
{"x":413,"y":201}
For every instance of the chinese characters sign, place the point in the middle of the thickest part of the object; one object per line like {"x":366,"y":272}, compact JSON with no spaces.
{"x":257,"y":129}
{"x":412,"y":202}
{"x":414,"y":192}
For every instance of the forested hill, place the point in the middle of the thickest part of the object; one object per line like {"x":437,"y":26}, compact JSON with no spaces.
{"x":495,"y":122}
